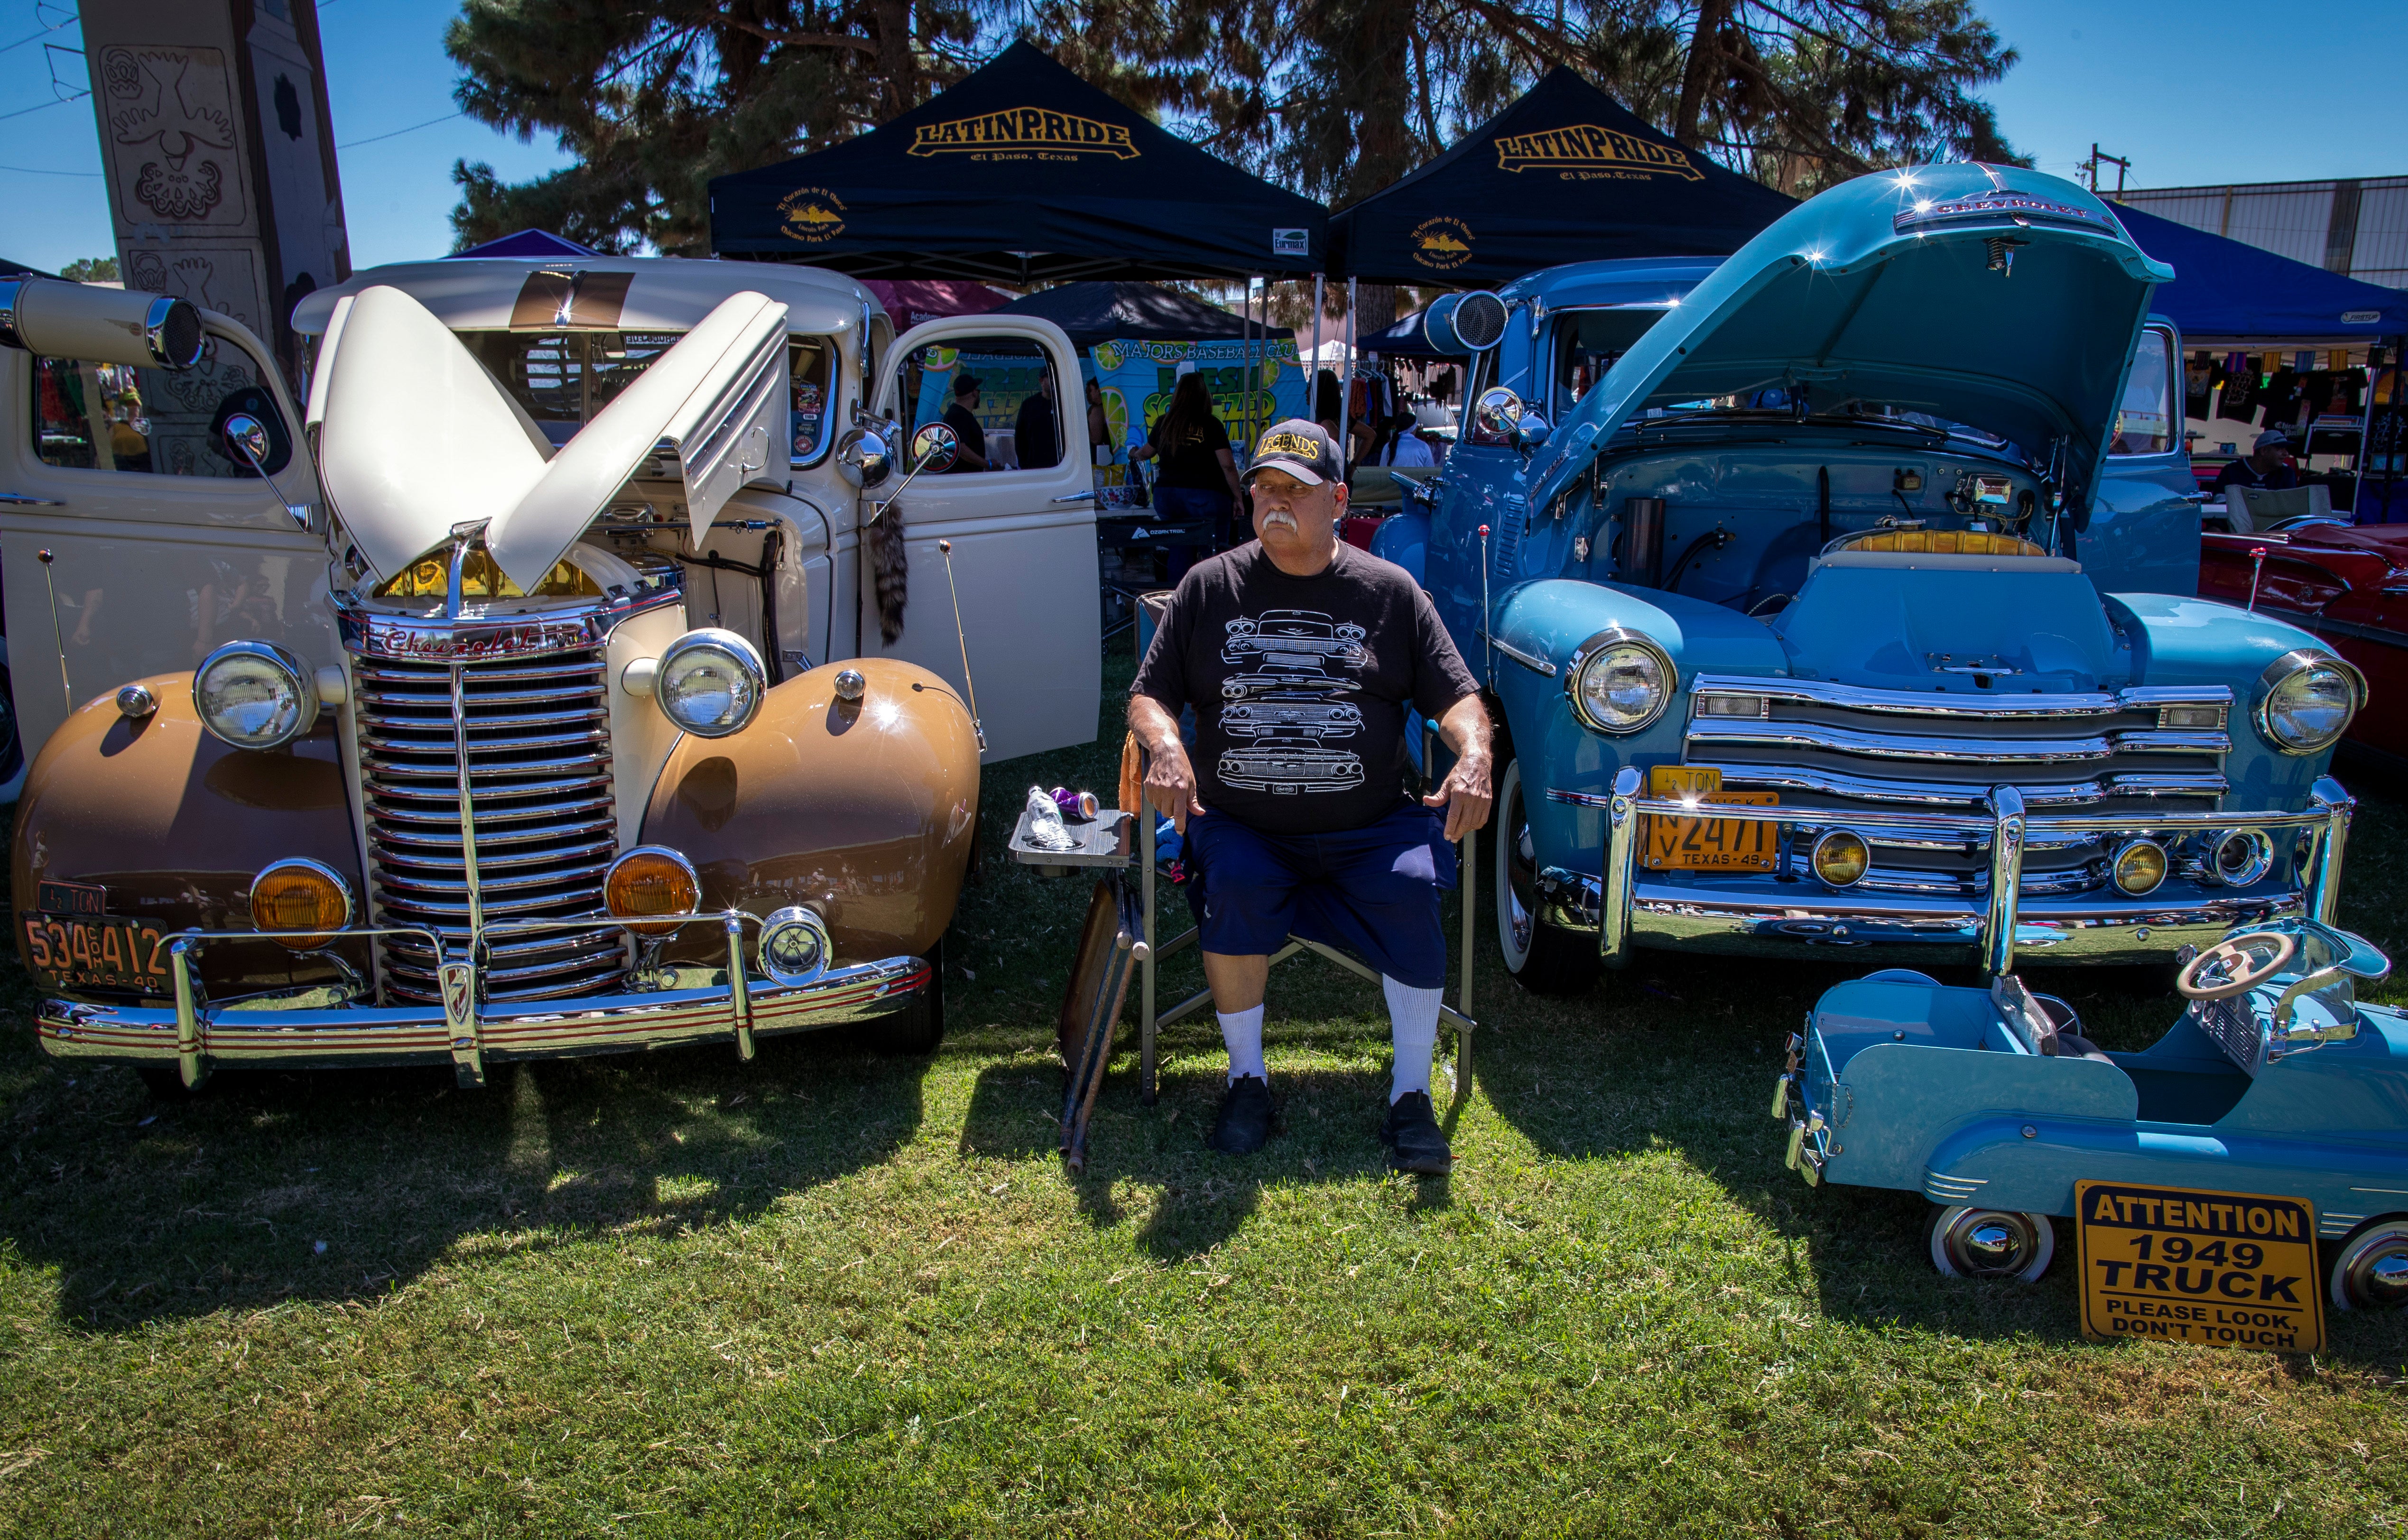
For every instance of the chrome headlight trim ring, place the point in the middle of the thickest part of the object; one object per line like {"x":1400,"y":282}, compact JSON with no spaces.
{"x":740,"y":652}
{"x":1590,"y":650}
{"x":2285,"y":669}
{"x":299,"y":676}
{"x":795,"y":917}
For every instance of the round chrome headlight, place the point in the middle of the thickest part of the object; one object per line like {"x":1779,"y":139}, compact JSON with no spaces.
{"x":794,"y":945}
{"x":710,"y":682}
{"x":2242,"y":857}
{"x":1841,"y":858}
{"x":2306,"y":700}
{"x":1620,"y":681}
{"x":254,"y":695}
{"x":2140,"y":867}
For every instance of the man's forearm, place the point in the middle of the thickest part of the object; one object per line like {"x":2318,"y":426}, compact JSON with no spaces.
{"x":1155,"y":728}
{"x":1465,"y":729}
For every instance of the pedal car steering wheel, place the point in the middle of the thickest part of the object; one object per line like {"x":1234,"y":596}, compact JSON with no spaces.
{"x":2236,"y":965}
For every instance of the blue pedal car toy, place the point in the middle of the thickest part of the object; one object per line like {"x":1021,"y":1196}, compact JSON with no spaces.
{"x":1992,"y":1103}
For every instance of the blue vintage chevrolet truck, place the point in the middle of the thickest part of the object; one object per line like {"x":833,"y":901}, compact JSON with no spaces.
{"x":1834,"y":599}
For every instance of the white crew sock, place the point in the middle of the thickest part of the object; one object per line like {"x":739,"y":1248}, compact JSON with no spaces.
{"x":1242,"y":1031}
{"x":1412,"y":1017}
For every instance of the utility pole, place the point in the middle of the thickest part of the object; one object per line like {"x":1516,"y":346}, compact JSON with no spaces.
{"x":2098,"y":157}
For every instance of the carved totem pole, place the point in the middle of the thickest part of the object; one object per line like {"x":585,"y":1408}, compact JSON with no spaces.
{"x":219,"y":155}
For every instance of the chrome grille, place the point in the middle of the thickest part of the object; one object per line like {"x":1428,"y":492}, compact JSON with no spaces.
{"x":538,"y":745}
{"x":1831,"y":747}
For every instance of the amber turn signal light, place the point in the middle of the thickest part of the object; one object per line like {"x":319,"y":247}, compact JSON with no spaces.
{"x":1842,"y":857}
{"x":2140,"y":867}
{"x":301,"y":902}
{"x":648,"y":880}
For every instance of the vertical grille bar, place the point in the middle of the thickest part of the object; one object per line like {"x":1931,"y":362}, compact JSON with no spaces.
{"x":488,"y":797}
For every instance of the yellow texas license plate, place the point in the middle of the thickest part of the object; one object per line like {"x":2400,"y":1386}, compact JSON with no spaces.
{"x":1707,"y":844}
{"x":2219,"y":1269}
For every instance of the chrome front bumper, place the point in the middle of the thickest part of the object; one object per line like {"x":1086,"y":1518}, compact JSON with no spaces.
{"x":731,"y":1006}
{"x":1761,"y":917}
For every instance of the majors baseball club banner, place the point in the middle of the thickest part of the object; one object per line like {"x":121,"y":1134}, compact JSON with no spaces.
{"x":1137,"y":377}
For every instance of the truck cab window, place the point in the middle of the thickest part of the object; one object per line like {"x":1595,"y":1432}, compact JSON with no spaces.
{"x":564,"y":377}
{"x":1587,"y":343}
{"x":2145,"y":418}
{"x":1013,"y":415}
{"x":111,"y":417}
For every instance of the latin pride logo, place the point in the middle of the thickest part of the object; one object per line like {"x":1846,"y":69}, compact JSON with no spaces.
{"x":1586,"y":147}
{"x":1441,"y":242}
{"x":813,"y":215}
{"x":1024,"y":129}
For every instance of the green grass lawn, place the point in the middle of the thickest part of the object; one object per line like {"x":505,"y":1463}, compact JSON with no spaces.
{"x":829,"y":1293}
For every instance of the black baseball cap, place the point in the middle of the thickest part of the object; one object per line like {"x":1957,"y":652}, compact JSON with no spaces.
{"x":1301,"y":448}
{"x":966,"y":383}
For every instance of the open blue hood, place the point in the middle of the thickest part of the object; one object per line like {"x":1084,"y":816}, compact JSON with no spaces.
{"x":1992,"y":296}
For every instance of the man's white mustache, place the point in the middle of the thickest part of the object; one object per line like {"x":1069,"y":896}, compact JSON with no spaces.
{"x":1279,"y":516}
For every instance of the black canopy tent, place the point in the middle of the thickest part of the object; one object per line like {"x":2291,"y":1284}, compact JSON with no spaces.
{"x":1567,"y":174}
{"x":1106,"y":310}
{"x":1021,"y":174}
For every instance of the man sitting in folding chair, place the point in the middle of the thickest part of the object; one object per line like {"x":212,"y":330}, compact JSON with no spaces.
{"x":1300,"y":655}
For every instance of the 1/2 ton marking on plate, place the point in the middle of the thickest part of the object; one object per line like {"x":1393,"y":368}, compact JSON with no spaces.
{"x":2219,"y":1269}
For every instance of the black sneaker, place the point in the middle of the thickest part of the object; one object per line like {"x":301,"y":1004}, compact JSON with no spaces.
{"x":1413,"y":1137}
{"x":1244,"y":1125}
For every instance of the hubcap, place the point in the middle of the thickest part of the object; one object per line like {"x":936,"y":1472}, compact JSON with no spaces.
{"x":2375,"y":1271}
{"x":1990,"y":1244}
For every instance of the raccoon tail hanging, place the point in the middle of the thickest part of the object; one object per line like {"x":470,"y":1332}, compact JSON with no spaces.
{"x":890,"y":565}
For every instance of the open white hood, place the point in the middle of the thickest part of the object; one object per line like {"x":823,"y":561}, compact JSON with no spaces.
{"x":415,"y":438}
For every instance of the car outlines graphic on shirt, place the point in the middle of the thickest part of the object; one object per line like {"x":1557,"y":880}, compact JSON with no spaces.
{"x":1286,"y":709}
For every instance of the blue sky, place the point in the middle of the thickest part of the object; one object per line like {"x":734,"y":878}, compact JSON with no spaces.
{"x":2206,"y":91}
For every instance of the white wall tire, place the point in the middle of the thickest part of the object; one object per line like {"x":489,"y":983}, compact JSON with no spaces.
{"x":1542,"y":958}
{"x":1991,"y":1243}
{"x":2371,"y":1272}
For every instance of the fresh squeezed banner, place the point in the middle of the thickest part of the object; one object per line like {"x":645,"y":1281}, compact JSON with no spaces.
{"x":1137,"y":378}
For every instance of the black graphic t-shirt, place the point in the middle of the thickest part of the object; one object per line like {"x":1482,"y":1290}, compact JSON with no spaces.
{"x":1300,"y":685}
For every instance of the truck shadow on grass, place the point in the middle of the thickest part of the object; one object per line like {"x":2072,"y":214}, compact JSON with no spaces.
{"x":342,"y":1185}
{"x":1682,"y":1057}
{"x":1324,"y":1131}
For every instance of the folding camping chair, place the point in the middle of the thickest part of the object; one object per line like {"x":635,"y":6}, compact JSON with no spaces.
{"x":1119,"y":936}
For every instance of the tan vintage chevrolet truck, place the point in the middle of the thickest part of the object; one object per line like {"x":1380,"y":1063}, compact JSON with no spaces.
{"x":571,"y":666}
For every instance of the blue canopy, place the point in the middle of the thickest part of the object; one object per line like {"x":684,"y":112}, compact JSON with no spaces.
{"x":2230,"y":291}
{"x":542,"y":245}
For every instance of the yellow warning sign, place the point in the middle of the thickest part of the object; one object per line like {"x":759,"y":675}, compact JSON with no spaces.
{"x":2219,"y":1269}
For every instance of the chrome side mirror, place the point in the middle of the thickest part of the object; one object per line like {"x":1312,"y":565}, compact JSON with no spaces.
{"x":934,"y":449}
{"x":1531,"y":431}
{"x":863,"y":459}
{"x":246,"y":438}
{"x":1497,"y":416}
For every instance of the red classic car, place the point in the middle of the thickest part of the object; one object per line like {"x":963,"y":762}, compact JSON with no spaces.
{"x":2348,"y":583}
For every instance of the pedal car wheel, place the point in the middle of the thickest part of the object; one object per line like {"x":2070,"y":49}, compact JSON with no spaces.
{"x":1992,"y":1243}
{"x":2235,"y":966}
{"x":1542,"y":958}
{"x":2371,"y":1272}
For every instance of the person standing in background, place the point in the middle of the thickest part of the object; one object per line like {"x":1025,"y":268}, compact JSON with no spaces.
{"x":1198,"y":478}
{"x":1037,"y":433}
{"x":962,"y":416}
{"x":2268,"y":466}
{"x":1099,"y":427}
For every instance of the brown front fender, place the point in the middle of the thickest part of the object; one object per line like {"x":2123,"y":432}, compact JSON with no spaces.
{"x":866,"y":811}
{"x":174,"y":824}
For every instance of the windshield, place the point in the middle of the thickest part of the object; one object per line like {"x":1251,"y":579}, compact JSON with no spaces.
{"x":562,"y":379}
{"x":1586,"y":343}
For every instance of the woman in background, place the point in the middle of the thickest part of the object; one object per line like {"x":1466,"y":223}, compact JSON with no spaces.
{"x":1198,"y":475}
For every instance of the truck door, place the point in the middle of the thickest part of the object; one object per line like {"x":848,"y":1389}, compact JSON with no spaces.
{"x":2143,"y":532}
{"x":163,"y":547}
{"x":1023,"y":528}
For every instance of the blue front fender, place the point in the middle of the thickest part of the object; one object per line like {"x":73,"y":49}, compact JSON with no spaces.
{"x":1548,"y":621}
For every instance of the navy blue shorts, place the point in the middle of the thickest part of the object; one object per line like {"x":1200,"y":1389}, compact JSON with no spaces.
{"x":1372,"y":892}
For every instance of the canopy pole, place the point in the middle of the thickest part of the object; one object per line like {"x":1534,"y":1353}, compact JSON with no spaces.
{"x":1346,"y":392}
{"x":1312,"y":370}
